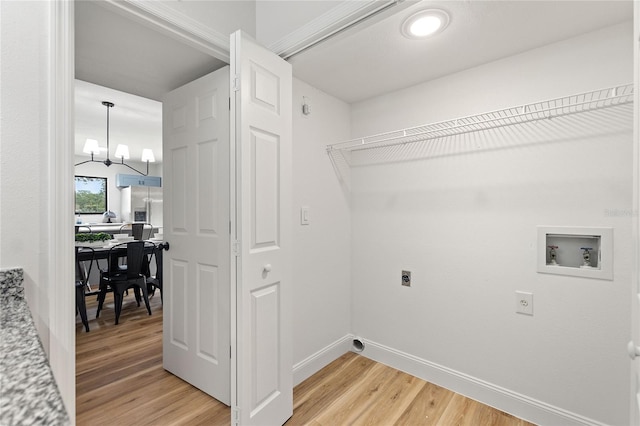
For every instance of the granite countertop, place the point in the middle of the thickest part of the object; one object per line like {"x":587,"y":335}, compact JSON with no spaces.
{"x":29,"y":394}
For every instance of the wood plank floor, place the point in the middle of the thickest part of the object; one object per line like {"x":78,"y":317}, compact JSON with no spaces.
{"x":119,"y":375}
{"x":120,"y":381}
{"x":354,"y":390}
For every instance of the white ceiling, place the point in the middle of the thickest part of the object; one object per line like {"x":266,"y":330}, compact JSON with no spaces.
{"x":365,"y":61}
{"x":378,"y":59}
{"x":116,"y":52}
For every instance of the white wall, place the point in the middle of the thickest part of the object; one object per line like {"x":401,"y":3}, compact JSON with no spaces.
{"x":464,"y":220}
{"x":530,"y":77}
{"x":321,"y":256}
{"x":114,"y":193}
{"x":24,"y":150}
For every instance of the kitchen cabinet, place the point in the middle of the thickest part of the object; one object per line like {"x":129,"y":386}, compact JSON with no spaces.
{"x":123,"y":180}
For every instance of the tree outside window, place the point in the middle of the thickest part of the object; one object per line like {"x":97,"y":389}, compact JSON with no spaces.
{"x":91,"y":195}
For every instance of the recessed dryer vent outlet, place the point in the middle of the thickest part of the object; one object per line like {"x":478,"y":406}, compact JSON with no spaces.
{"x":358,"y":344}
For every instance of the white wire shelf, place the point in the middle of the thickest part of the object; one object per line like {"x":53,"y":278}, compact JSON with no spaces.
{"x":573,"y":104}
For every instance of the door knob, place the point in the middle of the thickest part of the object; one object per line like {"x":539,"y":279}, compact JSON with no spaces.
{"x":633,"y":350}
{"x":267,"y":267}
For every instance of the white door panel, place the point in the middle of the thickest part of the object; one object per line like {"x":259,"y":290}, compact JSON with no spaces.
{"x":261,"y":128}
{"x":196,"y":340}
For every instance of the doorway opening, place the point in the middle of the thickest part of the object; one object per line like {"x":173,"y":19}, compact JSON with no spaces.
{"x":132,"y":60}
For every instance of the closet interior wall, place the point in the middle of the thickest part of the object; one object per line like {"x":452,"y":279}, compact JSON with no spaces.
{"x":463,"y":217}
{"x":322,"y":257}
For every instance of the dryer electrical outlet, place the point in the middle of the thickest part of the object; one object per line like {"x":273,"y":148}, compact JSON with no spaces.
{"x":406,"y":278}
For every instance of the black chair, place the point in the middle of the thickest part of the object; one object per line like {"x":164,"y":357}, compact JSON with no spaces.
{"x":147,"y":230}
{"x":154,"y":281}
{"x":141,"y":231}
{"x":82,"y":277}
{"x":119,"y":281}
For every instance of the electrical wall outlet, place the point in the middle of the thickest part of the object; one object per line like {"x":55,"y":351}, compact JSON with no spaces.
{"x":406,"y":278}
{"x":524,"y":302}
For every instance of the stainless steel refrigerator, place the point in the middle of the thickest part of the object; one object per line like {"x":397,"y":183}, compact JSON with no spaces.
{"x":142,"y":204}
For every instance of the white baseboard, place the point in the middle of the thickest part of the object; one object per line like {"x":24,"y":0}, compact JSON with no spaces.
{"x":487,"y":393}
{"x":314,"y":363}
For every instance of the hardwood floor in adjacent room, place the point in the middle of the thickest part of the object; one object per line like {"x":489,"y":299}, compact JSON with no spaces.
{"x":120,"y":381}
{"x":119,"y":375}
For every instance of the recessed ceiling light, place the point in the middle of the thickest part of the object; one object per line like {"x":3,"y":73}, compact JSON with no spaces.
{"x":425,"y":23}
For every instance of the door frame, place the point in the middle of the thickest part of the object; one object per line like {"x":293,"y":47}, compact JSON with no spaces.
{"x":60,"y":176}
{"x":634,"y":415}
{"x":61,"y":74}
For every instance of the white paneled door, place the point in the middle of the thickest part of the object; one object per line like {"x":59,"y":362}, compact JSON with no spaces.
{"x":261,"y":114}
{"x":196,"y":321}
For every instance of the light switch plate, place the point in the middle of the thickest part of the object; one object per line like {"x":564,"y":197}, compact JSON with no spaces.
{"x":305,"y":215}
{"x":524,"y":302}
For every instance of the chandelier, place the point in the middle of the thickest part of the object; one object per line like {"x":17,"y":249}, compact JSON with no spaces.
{"x":122,"y":151}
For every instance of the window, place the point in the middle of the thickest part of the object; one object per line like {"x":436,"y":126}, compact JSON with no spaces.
{"x":91,"y":195}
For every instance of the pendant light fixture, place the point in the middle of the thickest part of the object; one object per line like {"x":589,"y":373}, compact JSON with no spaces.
{"x":122,"y":151}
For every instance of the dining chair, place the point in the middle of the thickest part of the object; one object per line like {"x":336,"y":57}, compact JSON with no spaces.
{"x":141,"y":231}
{"x":82,"y":277}
{"x":136,"y":230}
{"x":118,"y":281}
{"x":154,"y":281}
{"x":147,"y":230}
